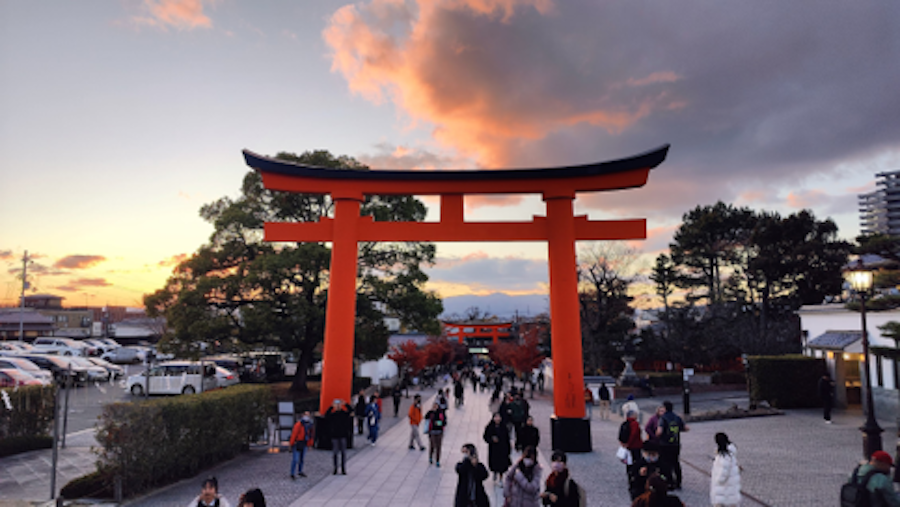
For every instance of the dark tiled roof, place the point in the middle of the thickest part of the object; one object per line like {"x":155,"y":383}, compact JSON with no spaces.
{"x":835,"y":340}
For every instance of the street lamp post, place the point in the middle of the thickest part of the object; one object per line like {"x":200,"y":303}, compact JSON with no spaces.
{"x":861,"y":281}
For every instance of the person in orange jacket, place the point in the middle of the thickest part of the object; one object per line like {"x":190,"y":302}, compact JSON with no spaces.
{"x":301,"y":438}
{"x":415,"y":417}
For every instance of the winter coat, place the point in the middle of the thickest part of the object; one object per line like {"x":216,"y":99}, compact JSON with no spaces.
{"x":528,"y":435}
{"x":650,"y":428}
{"x":471,"y":476}
{"x":415,"y":415}
{"x":300,"y":433}
{"x":373,"y":414}
{"x":498,"y":452}
{"x":521,"y":492}
{"x":560,"y":484}
{"x":436,"y":422}
{"x":339,"y":422}
{"x":630,"y":434}
{"x":725,"y":483}
{"x":882,"y":484}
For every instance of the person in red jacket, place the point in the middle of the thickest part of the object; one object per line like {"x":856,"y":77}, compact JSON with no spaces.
{"x":415,"y":417}
{"x":301,"y":438}
{"x":630,"y":436}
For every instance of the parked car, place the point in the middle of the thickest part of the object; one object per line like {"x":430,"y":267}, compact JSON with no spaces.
{"x":232,"y":363}
{"x":174,"y":377}
{"x":20,"y":363}
{"x":61,"y":346}
{"x":112,"y":344}
{"x":125,"y":355}
{"x":115,"y":371}
{"x":94,"y":373}
{"x":226,"y":377}
{"x":12,"y":377}
{"x":58,"y":366}
{"x":262,"y":367}
{"x":98,"y":346}
{"x":12,"y":346}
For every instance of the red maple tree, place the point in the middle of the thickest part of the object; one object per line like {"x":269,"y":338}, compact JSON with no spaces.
{"x":408,"y":357}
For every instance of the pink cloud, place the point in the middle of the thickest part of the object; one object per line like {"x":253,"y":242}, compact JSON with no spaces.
{"x":79,"y":261}
{"x":182,"y":14}
{"x":6,"y":255}
{"x":863,"y":189}
{"x":658,"y":239}
{"x":485,"y":201}
{"x":806,"y":199}
{"x":444,"y":62}
{"x":90,"y":282}
{"x":752,"y":196}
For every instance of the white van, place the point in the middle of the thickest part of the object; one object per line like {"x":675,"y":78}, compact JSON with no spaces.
{"x":61,"y":346}
{"x":175,"y":377}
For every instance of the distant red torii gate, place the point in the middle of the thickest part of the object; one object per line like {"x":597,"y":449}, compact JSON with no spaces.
{"x":560,"y":228}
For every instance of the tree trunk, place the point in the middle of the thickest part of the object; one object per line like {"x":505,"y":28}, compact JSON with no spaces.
{"x":299,"y":384}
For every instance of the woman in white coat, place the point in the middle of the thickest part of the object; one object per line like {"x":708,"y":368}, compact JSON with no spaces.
{"x":725,"y":484}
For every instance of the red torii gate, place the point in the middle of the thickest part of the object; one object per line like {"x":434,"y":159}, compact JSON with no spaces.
{"x":560,"y":228}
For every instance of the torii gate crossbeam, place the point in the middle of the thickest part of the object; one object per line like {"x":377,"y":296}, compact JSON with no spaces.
{"x":560,"y":229}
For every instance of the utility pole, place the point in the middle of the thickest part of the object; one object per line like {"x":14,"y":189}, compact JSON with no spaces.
{"x":22,"y":300}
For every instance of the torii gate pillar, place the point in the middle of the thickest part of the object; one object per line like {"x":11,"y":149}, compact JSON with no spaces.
{"x":569,"y":429}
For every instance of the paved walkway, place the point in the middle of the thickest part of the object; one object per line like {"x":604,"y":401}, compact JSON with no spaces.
{"x":790,"y":460}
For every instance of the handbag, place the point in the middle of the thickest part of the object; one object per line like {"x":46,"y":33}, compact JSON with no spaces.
{"x":624,"y":456}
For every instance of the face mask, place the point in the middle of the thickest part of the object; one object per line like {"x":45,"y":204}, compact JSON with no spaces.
{"x":305,"y":418}
{"x":558,"y":466}
{"x":650,"y":459}
{"x":528,"y":462}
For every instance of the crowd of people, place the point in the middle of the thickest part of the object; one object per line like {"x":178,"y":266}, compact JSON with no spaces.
{"x":650,"y":451}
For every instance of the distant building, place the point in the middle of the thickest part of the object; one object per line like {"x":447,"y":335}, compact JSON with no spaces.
{"x":67,"y":322}
{"x":879,"y":211}
{"x":33,"y":324}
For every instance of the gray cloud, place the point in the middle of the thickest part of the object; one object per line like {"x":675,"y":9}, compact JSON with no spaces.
{"x":751,"y":95}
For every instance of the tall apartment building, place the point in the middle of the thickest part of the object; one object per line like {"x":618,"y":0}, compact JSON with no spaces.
{"x":879,"y":211}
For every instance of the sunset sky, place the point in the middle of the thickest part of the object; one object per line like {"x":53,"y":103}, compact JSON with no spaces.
{"x":120,"y":119}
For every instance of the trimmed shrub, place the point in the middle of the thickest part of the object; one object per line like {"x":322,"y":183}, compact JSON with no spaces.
{"x":27,"y":426}
{"x":788,"y":381}
{"x":156,"y":442}
{"x":729,"y":377}
{"x":92,"y":485}
{"x":16,"y":445}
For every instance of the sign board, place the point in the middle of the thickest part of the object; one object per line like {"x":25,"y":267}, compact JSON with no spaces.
{"x":688,"y":373}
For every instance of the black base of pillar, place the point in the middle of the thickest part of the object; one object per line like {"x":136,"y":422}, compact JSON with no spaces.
{"x":570,"y":434}
{"x":323,"y":435}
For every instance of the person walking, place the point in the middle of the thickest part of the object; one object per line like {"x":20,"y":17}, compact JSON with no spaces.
{"x":396,"y":394}
{"x":436,"y":421}
{"x":725,"y":478}
{"x":826,"y":393}
{"x":254,"y":497}
{"x":373,"y":417}
{"x":657,"y":495}
{"x":497,"y":437}
{"x":340,"y":426}
{"x":209,"y":495}
{"x":875,"y":476}
{"x":529,"y":435}
{"x":560,"y":490}
{"x":669,"y":432}
{"x":359,"y":410}
{"x":540,"y":381}
{"x":301,"y":439}
{"x":653,"y":424}
{"x":415,"y":417}
{"x":588,"y":402}
{"x":458,"y":393}
{"x":470,"y":482}
{"x":630,"y":437}
{"x":522,"y":487}
{"x":603,"y":394}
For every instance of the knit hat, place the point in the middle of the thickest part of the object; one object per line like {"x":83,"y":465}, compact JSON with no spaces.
{"x":883,"y":457}
{"x":630,"y":397}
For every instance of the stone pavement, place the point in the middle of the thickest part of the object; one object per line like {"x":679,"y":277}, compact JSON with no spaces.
{"x":789,"y":460}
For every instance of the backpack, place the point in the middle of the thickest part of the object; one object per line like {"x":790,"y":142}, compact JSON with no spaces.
{"x":855,"y":493}
{"x":307,"y":430}
{"x":671,"y":429}
{"x":582,"y":495}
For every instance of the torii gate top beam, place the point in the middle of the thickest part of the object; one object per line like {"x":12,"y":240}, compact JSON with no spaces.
{"x":551,"y":182}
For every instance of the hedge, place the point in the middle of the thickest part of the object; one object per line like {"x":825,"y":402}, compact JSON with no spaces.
{"x":155,"y":442}
{"x":93,"y":485}
{"x":27,"y":426}
{"x":788,"y":381}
